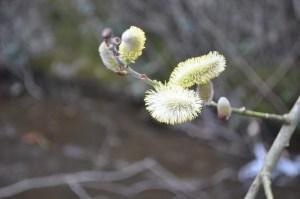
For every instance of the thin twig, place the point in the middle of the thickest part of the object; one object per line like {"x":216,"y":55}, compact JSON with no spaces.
{"x":142,"y":77}
{"x":246,"y":112}
{"x":79,"y":177}
{"x":282,"y":140}
{"x":168,"y":181}
{"x":129,"y":191}
{"x":266,"y":179}
{"x":136,"y":188}
{"x":78,"y":189}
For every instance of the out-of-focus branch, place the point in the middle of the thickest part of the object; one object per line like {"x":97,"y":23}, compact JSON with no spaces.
{"x":78,"y":190}
{"x":250,"y":113}
{"x":241,"y":63}
{"x":77,"y":181}
{"x":78,"y":177}
{"x":282,"y":140}
{"x":284,"y":67}
{"x":178,"y":189}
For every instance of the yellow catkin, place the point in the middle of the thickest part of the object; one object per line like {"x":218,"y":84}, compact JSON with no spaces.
{"x":132,"y":44}
{"x":198,"y":70}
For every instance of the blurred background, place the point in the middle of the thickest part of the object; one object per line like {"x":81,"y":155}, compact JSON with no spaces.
{"x":62,"y":112}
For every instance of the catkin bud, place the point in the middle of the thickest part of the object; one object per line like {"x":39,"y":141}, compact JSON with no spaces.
{"x":132,"y":44}
{"x":106,"y":33}
{"x":224,"y":108}
{"x":206,"y":91}
{"x":108,"y":58}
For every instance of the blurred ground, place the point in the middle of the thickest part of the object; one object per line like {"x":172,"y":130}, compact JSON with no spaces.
{"x":68,"y":132}
{"x":77,"y":136}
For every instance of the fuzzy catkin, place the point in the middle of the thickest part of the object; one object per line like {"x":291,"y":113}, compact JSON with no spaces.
{"x":198,"y":70}
{"x":172,"y":104}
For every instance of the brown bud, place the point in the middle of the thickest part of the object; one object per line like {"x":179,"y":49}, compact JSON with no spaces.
{"x":106,"y":33}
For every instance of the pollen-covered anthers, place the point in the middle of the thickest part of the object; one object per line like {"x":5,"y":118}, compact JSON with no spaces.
{"x":198,"y":70}
{"x":172,"y":104}
{"x":132,"y":44}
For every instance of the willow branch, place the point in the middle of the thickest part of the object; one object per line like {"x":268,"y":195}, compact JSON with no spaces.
{"x":124,"y":69}
{"x":282,"y":140}
{"x":250,"y":113}
{"x":240,"y":111}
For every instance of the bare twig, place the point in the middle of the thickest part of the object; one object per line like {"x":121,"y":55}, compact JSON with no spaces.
{"x":218,"y":178}
{"x":78,"y":189}
{"x":167,"y":181}
{"x":129,"y":191}
{"x":109,"y":181}
{"x":246,"y":112}
{"x":179,"y":188}
{"x":78,"y":177}
{"x":170,"y":179}
{"x":266,"y":179}
{"x":282,"y":140}
{"x":139,"y":76}
{"x":139,"y":187}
